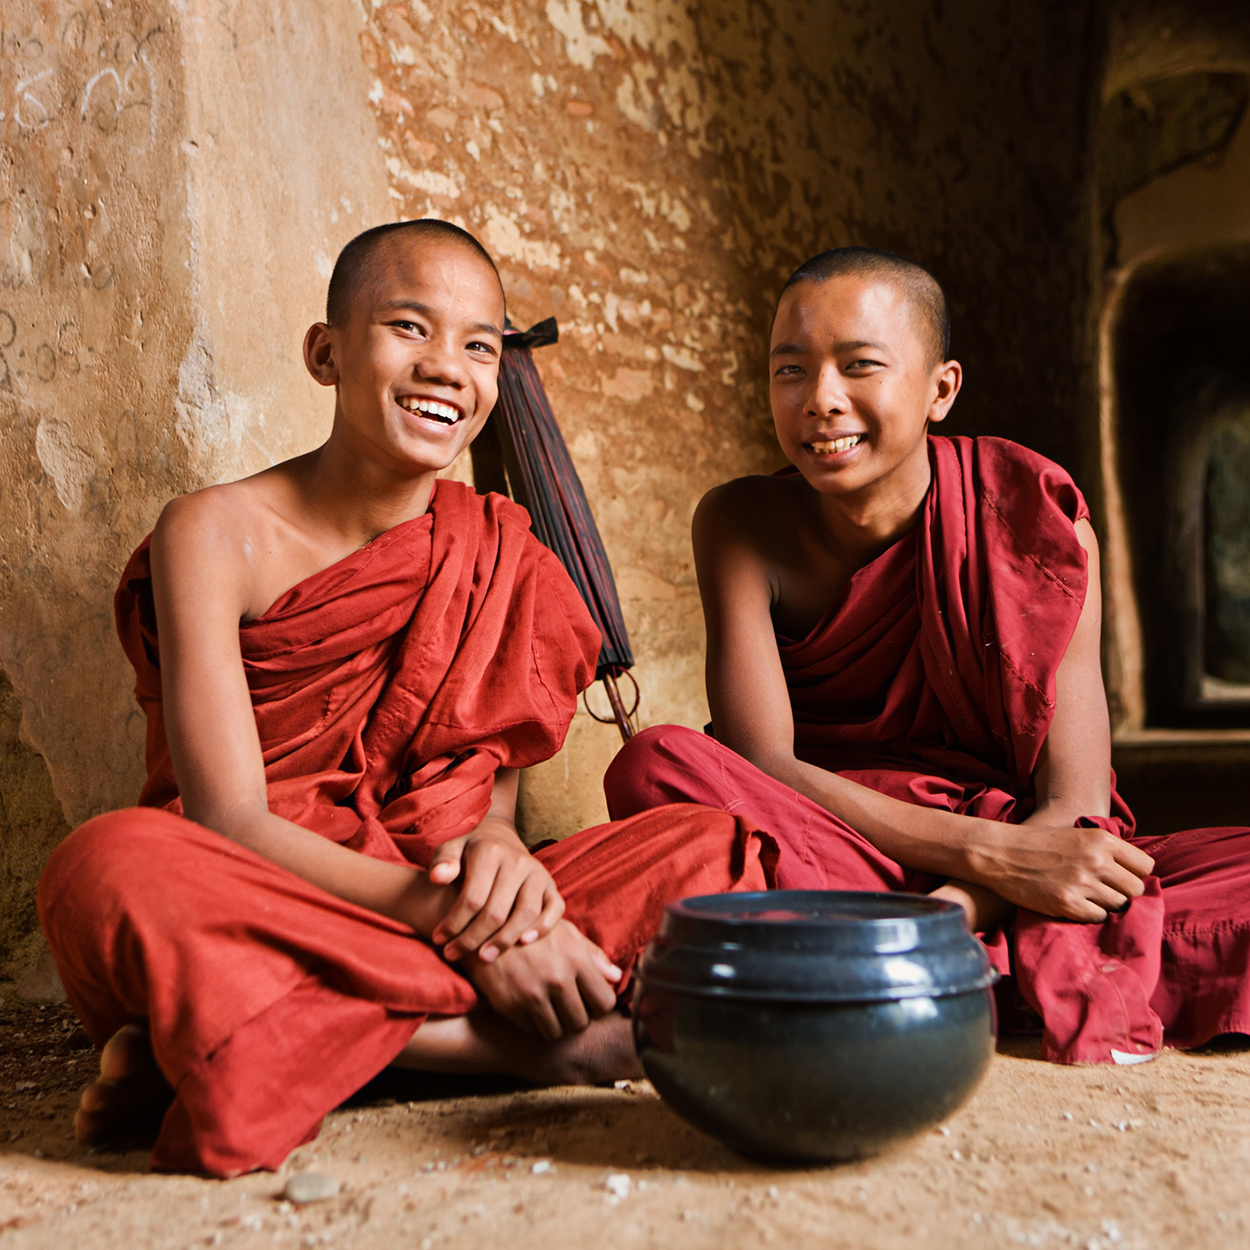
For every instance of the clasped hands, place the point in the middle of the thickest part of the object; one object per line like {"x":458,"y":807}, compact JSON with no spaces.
{"x":506,"y":925}
{"x":1070,"y":873}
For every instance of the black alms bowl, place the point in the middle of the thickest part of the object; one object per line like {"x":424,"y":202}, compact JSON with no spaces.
{"x":814,"y":1025}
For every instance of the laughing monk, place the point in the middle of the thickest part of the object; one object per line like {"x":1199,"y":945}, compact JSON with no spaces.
{"x":904,"y":678}
{"x":343,"y":663}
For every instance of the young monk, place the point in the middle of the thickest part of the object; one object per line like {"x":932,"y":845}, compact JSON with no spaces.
{"x":904,"y":677}
{"x":343,"y":664}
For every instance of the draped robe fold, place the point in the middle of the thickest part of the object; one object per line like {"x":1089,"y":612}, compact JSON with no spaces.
{"x":387,"y":690}
{"x":931,"y":678}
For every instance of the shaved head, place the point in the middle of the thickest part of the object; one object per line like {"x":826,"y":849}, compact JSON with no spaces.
{"x":921,"y":288}
{"x":361,"y":260}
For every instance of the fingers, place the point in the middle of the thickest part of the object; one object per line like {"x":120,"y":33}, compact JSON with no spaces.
{"x":1127,"y":883}
{"x":479,"y":882}
{"x":552,"y":914}
{"x":481,"y":864}
{"x":536,"y":911}
{"x":567,"y":998}
{"x":515,"y":902}
{"x":1133,"y":858}
{"x":445,"y":866}
{"x":505,"y":898}
{"x":556,"y":986}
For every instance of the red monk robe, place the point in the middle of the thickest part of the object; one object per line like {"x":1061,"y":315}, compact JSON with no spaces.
{"x":387,"y":691}
{"x":931,"y":678}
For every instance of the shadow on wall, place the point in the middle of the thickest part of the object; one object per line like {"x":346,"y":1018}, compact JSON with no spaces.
{"x":31,"y":824}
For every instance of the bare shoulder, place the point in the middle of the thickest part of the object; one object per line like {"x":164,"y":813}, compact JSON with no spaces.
{"x":752,"y":513}
{"x":742,"y":502}
{"x":220,"y":537}
{"x":211,"y":518}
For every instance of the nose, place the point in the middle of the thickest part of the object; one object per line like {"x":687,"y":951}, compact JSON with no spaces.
{"x":441,"y":361}
{"x":828,"y":394}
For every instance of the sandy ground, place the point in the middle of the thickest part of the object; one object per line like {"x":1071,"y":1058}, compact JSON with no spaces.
{"x":1098,"y":1158}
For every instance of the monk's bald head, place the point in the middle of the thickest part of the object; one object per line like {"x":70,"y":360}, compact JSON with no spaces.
{"x":921,"y":289}
{"x":362,"y":262}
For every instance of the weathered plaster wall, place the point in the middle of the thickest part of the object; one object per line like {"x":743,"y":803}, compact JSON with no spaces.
{"x":650,"y":172}
{"x":174,"y":182}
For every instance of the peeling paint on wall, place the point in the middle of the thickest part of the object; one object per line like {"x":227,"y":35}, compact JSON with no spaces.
{"x":650,"y":172}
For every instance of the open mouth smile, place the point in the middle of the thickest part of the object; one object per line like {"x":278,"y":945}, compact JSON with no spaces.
{"x":831,"y":447}
{"x":445,"y":414}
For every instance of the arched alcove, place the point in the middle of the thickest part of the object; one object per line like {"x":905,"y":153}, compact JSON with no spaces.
{"x":1182,"y":379}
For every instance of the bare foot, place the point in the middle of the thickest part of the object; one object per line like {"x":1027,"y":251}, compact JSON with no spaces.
{"x":129,"y":1092}
{"x":486,"y":1043}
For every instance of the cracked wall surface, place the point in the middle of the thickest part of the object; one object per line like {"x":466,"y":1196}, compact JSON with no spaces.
{"x":176,"y":179}
{"x":651,"y":172}
{"x":173,"y":187}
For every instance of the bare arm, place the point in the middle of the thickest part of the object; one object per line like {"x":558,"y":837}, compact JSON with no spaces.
{"x":1054,"y":869}
{"x":203,"y":587}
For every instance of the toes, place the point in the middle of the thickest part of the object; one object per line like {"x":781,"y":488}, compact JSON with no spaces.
{"x":126,"y":1053}
{"x":89,"y":1127}
{"x":98,"y":1096}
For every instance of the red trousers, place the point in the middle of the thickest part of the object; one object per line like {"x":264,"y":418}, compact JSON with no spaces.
{"x":1173,"y":968}
{"x":270,"y":1001}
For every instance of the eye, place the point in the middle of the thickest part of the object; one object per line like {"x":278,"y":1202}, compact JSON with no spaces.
{"x":478,"y":346}
{"x":865,"y":363}
{"x":789,"y":371}
{"x":409,"y":327}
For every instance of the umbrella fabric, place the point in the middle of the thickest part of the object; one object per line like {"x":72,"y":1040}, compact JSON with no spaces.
{"x":543,"y":480}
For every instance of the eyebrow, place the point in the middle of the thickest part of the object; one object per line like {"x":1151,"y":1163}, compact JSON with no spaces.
{"x":850,"y":345}
{"x":478,"y":327}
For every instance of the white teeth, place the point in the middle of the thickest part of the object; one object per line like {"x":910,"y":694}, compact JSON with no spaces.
{"x":836,"y":444}
{"x":431,"y":408}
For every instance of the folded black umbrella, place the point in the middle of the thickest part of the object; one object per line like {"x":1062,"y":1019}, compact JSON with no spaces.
{"x":521,"y":452}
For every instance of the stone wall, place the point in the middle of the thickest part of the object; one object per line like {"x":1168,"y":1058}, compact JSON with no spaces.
{"x":175,"y":181}
{"x":169,"y":210}
{"x":650,"y":173}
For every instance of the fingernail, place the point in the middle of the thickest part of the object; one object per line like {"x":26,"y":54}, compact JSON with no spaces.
{"x":531,"y":936}
{"x":488,"y":954}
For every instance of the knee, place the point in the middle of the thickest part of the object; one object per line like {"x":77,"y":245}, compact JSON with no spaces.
{"x":102,"y":854}
{"x":633,"y":780}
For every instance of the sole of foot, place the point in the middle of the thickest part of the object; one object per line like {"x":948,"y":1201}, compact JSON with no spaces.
{"x":129,"y":1094}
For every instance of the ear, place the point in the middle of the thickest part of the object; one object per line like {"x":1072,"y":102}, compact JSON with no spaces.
{"x":947,"y":379}
{"x":319,"y":350}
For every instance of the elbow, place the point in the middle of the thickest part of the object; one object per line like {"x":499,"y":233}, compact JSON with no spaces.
{"x":240,"y":822}
{"x":779,"y":764}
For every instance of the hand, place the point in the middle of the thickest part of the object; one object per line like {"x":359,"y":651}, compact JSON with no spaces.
{"x":506,"y":895}
{"x":1072,"y":874}
{"x":985,"y":911}
{"x":552,"y":986}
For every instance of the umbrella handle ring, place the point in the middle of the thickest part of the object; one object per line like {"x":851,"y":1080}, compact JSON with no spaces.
{"x":621,"y":718}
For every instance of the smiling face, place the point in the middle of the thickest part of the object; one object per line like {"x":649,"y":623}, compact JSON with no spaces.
{"x":853,"y":385}
{"x":416,"y":361}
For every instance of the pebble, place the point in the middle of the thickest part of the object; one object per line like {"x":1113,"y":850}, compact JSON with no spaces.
{"x":310,"y":1187}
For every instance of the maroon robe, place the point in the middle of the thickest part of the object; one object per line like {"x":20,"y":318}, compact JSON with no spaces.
{"x":387,"y":690}
{"x":931,"y":678}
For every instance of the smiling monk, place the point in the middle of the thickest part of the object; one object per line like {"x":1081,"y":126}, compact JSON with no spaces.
{"x":344,"y":662}
{"x":903,"y":670}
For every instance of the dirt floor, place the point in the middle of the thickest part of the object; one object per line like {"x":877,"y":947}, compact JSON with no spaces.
{"x":1144,"y":1157}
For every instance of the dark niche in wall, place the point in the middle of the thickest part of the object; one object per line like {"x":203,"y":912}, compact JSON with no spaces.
{"x":1183,"y":382}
